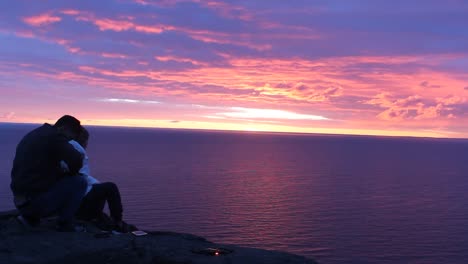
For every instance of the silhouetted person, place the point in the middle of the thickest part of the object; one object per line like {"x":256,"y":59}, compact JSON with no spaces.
{"x":40,"y":187}
{"x":97,"y":194}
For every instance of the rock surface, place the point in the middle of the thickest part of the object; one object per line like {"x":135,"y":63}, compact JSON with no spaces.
{"x":22,"y":245}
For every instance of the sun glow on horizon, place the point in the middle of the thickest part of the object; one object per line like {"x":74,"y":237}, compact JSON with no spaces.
{"x":242,"y":112}
{"x":255,"y":127}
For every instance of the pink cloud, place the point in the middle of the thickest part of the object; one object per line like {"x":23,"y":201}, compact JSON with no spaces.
{"x":115,"y":25}
{"x":41,"y":20}
{"x":73,"y":49}
{"x":7,"y":116}
{"x":223,"y":38}
{"x":123,"y":23}
{"x":179,"y":59}
{"x":207,"y":36}
{"x":414,"y":107}
{"x":311,"y":82}
{"x":451,"y":100}
{"x":149,"y":29}
{"x":291,"y":83}
{"x":70,"y":12}
{"x":241,"y":54}
{"x":25,"y":34}
{"x":113,"y":55}
{"x":228,"y":10}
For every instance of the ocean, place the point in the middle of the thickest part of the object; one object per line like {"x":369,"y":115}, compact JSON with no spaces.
{"x":337,"y":199}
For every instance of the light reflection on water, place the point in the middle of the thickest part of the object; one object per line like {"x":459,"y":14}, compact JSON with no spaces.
{"x":337,"y":199}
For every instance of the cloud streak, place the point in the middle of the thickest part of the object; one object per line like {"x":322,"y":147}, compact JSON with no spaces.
{"x":267,"y":114}
{"x":130,"y":101}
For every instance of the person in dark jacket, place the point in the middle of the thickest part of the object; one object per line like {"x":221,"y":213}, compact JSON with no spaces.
{"x":40,"y":187}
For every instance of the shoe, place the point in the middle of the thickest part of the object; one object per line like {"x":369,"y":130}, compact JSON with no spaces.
{"x":28,"y":221}
{"x":123,"y":227}
{"x":104,"y":222}
{"x":70,"y":227}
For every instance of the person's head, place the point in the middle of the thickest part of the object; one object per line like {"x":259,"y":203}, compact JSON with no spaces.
{"x":83,"y":138}
{"x":69,"y":126}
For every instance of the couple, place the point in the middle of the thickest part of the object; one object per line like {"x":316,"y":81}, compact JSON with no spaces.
{"x":50,"y":175}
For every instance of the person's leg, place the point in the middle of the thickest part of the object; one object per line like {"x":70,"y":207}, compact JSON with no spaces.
{"x":114,"y":202}
{"x":92,"y":204}
{"x":63,"y":198}
{"x":112,"y":196}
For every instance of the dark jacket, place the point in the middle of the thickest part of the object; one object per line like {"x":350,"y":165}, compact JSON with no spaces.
{"x":36,"y":166}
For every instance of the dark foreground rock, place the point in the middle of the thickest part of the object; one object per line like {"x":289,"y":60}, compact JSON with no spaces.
{"x":43,"y":244}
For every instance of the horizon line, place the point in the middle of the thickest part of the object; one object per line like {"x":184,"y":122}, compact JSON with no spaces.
{"x":256,"y":131}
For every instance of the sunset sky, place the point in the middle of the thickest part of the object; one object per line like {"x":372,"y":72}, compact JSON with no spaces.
{"x":373,"y":67}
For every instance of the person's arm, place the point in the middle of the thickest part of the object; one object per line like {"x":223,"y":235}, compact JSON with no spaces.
{"x":66,"y":152}
{"x":92,"y":180}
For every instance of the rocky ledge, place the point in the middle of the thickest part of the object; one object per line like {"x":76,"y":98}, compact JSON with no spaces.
{"x":19,"y":244}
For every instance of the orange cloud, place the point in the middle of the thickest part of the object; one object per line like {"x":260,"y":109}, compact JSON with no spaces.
{"x":414,"y":107}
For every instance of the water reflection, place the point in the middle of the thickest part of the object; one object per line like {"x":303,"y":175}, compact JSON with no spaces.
{"x":339,"y":199}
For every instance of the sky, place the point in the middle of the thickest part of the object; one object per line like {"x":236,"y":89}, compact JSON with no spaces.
{"x":370,"y":67}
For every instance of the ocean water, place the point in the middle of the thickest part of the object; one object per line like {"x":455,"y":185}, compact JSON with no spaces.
{"x":338,"y":199}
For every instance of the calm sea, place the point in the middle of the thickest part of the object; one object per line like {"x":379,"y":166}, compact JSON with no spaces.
{"x":337,"y":199}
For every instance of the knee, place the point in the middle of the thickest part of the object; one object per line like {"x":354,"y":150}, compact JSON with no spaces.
{"x":111,"y":187}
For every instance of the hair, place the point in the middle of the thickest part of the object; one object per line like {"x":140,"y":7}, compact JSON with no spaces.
{"x":69,"y":122}
{"x":83,"y":137}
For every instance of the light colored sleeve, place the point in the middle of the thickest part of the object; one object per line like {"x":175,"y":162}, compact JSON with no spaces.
{"x":85,"y":170}
{"x":79,"y":148}
{"x":92,"y":180}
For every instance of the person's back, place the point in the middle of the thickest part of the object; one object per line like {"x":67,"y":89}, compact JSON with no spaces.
{"x":40,"y":188}
{"x":35,"y":167}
